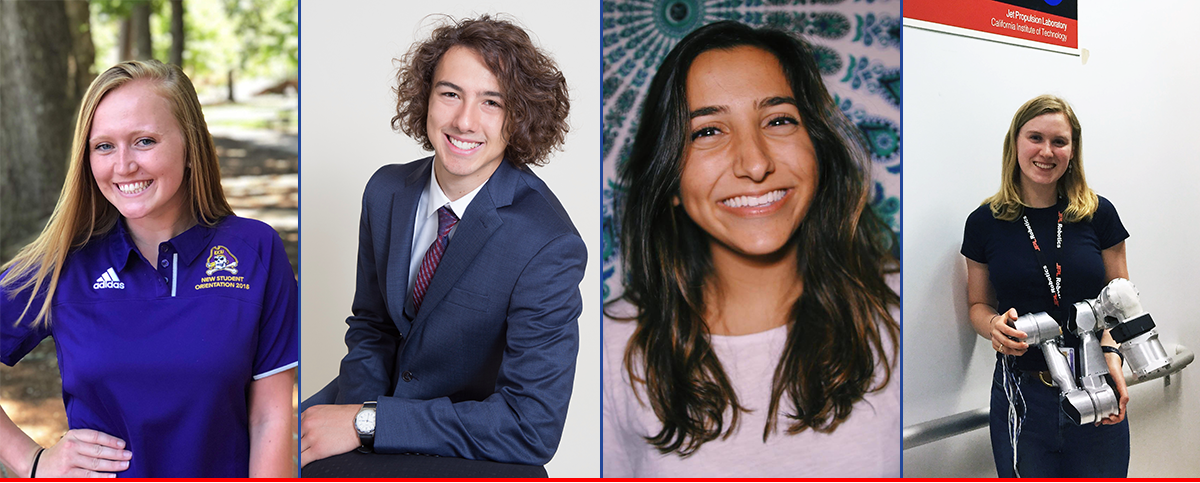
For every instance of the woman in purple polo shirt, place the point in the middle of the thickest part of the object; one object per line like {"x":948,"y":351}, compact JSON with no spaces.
{"x":174,"y":320}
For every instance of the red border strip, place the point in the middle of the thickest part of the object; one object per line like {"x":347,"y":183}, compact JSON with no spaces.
{"x":604,"y":480}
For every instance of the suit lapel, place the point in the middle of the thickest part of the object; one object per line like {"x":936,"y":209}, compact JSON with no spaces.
{"x":473,"y":231}
{"x":404,"y":211}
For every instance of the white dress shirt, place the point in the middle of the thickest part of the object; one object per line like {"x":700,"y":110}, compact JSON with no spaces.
{"x":425,"y":224}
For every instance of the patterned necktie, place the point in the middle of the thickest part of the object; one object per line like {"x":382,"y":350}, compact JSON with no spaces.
{"x":429,"y":264}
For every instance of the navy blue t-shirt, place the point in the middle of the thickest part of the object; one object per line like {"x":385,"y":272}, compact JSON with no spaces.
{"x":162,"y":354}
{"x":1015,"y":272}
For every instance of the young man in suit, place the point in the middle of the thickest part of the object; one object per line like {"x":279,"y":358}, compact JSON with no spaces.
{"x":463,"y":336}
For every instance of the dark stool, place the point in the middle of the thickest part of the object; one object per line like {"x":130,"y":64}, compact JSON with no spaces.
{"x":355,"y":465}
{"x":372,"y":465}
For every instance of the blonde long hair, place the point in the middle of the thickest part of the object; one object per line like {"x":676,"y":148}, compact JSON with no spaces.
{"x":82,"y":212}
{"x":1007,"y":204}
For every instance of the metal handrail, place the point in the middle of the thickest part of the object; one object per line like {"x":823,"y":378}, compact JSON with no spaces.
{"x":966,"y":421}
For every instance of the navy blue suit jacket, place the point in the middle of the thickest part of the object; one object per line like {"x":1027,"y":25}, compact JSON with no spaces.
{"x":485,"y":370}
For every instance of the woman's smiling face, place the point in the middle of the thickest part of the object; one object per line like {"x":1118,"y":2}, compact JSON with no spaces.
{"x":1044,"y":150}
{"x":136,"y":149}
{"x":749,"y":168}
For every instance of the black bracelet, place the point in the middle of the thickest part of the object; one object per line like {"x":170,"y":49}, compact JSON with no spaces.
{"x":1113,"y":350}
{"x":33,"y":470}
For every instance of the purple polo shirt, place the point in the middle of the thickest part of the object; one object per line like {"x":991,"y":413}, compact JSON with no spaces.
{"x":162,"y":352}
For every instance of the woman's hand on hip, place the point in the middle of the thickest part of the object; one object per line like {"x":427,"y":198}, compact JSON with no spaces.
{"x":1003,"y":335}
{"x":84,"y":453}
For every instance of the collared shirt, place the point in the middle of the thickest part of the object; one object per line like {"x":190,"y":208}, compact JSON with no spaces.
{"x":161,"y":351}
{"x":425,"y":225}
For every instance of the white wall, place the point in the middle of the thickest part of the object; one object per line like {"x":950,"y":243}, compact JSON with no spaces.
{"x":1137,"y":97}
{"x":346,"y":106}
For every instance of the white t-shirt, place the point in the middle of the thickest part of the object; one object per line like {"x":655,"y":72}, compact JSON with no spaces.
{"x":867,"y":444}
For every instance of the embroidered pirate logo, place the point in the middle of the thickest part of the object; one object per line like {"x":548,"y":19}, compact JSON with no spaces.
{"x":220,"y":258}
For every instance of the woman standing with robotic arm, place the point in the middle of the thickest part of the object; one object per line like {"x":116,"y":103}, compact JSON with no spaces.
{"x":1042,"y":243}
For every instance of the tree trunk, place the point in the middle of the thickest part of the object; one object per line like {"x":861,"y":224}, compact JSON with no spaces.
{"x":35,"y":121}
{"x":125,"y":40}
{"x":230,"y":96}
{"x":143,"y":50}
{"x":83,"y":51}
{"x":177,"y":32}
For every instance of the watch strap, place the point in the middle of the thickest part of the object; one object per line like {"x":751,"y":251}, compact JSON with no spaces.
{"x":1109,"y":349}
{"x":366,"y":440}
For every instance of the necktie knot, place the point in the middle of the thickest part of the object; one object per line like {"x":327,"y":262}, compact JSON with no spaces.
{"x":433,"y":256}
{"x":446,"y":220}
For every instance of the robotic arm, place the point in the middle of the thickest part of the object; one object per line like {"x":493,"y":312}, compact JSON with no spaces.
{"x":1132,"y":328}
{"x":1087,"y":392}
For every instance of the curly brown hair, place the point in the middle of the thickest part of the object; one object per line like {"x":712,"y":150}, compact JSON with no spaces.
{"x":535,"y":92}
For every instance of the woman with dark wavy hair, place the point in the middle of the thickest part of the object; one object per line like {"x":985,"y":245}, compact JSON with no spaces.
{"x":756,"y":334}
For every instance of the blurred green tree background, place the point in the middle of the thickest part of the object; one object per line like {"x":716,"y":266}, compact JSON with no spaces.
{"x":51,"y":50}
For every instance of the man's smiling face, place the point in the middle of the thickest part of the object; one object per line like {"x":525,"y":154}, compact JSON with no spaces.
{"x":465,"y":121}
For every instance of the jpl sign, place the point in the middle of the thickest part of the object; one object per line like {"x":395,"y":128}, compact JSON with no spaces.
{"x":1052,"y":22}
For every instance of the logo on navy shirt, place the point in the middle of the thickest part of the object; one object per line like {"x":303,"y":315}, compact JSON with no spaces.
{"x":109,"y":279}
{"x":220,"y":258}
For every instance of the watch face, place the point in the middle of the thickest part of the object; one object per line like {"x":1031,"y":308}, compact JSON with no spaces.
{"x":364,"y":421}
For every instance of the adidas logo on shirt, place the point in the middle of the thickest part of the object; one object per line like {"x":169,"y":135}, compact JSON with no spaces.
{"x":109,"y":280}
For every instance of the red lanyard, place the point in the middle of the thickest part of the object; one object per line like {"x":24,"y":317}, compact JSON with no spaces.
{"x":1055,"y":283}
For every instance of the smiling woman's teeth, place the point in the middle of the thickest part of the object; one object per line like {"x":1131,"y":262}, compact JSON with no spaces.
{"x":466,"y":146}
{"x":133,"y":188}
{"x":1043,"y":165}
{"x":754,"y":201}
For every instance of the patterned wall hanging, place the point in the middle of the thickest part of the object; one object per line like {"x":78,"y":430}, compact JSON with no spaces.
{"x":857,"y":45}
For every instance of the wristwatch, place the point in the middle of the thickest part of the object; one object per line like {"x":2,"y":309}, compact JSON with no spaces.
{"x":364,"y":424}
